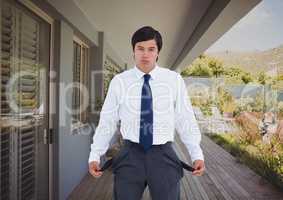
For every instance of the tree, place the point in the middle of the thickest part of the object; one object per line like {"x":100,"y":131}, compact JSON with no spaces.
{"x":201,"y":70}
{"x":225,"y":100}
{"x":247,"y":77}
{"x":202,"y":56}
{"x":238,"y":74}
{"x":216,"y":66}
{"x":199,"y":67}
{"x":185,"y":72}
{"x":262,"y":78}
{"x":233,"y":72}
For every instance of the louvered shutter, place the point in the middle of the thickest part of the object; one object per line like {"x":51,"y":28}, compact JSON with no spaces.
{"x":27,"y":161}
{"x":84,"y":79}
{"x":80,"y":76}
{"x":6,"y":38}
{"x":27,"y":101}
{"x":28,"y":91}
{"x":5,"y":164}
{"x":19,"y":137}
{"x":76,"y":79}
{"x":7,"y":23}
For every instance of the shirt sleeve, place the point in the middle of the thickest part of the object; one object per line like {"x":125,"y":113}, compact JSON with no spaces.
{"x":108,"y":122}
{"x":186,"y":123}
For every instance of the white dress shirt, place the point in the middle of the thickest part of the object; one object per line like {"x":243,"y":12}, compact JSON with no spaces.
{"x":171,"y":109}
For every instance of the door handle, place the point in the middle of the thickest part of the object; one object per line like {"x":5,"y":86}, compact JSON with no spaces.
{"x":48,"y":136}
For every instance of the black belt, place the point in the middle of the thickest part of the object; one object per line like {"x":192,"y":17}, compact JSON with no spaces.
{"x":109,"y":162}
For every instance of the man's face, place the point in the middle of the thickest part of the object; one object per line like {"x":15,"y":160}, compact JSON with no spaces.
{"x":145,"y":54}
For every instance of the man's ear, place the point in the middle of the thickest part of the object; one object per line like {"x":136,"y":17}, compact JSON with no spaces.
{"x":157,"y":59}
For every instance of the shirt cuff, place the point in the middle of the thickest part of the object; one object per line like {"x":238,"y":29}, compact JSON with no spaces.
{"x":198,"y":156}
{"x":93,"y":157}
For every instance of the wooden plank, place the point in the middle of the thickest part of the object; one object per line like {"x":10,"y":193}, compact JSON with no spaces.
{"x":224,"y":178}
{"x":183,"y":191}
{"x":102,"y":183}
{"x":225,"y":182}
{"x":208,"y":186}
{"x":198,"y":189}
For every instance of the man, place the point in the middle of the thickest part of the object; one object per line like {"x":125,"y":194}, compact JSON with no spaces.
{"x":150,"y":102}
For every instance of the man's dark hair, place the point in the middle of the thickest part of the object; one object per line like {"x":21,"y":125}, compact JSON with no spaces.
{"x":147,"y":33}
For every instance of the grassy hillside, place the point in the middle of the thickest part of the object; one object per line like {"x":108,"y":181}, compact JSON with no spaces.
{"x":269,"y":61}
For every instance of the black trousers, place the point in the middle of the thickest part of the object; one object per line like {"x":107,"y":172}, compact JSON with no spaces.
{"x":134,"y":169}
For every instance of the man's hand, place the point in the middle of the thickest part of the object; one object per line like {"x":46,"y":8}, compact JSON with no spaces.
{"x":199,"y":167}
{"x":94,"y":168}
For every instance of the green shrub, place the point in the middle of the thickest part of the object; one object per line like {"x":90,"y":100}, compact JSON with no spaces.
{"x":280,"y":109}
{"x":248,"y":104}
{"x":203,"y":103}
{"x":204,"y":66}
{"x":266,"y":160}
{"x":225,"y":101}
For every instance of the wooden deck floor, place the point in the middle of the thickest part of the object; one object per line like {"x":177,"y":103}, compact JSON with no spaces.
{"x":225,"y":178}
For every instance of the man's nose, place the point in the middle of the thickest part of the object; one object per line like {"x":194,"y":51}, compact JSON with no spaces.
{"x":145,"y":53}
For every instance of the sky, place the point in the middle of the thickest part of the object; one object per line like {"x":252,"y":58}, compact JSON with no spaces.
{"x":260,"y":29}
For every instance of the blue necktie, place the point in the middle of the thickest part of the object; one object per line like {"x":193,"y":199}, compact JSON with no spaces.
{"x":146,"y":119}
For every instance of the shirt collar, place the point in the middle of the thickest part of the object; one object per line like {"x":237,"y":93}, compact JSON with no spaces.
{"x":153,"y":73}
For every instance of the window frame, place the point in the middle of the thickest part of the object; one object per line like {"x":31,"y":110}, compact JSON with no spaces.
{"x":84,"y":80}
